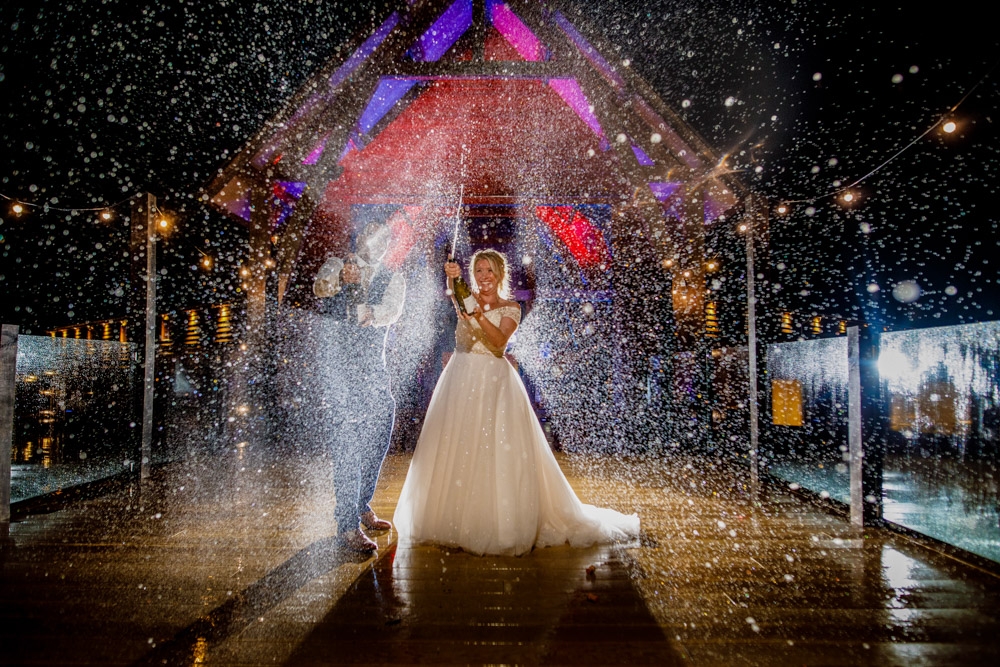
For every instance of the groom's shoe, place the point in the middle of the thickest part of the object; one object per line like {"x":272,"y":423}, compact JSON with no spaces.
{"x":355,"y":540}
{"x":372,"y":522}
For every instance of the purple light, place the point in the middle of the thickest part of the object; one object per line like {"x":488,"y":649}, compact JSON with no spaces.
{"x":347,"y":150}
{"x":316,"y":152}
{"x":292,"y":188}
{"x":363,"y":51}
{"x":717,"y":202}
{"x":589,"y":52}
{"x":444,"y":33}
{"x":713,"y":209}
{"x":670,"y":138}
{"x":336,"y":79}
{"x":642,"y":157}
{"x":239,"y":206}
{"x":670,"y":195}
{"x":515,"y":32}
{"x":663,"y":190}
{"x":572,"y":94}
{"x":389,"y":92}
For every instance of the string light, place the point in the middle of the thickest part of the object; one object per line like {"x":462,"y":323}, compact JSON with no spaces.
{"x":19,"y":206}
{"x":945,"y":121}
{"x":206,"y":259}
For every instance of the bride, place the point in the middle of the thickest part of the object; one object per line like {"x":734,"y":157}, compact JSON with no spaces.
{"x":483,"y":477}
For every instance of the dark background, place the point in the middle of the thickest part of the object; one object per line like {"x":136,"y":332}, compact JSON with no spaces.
{"x":100,"y":100}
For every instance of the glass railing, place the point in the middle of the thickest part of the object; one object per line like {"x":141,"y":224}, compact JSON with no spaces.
{"x":806,"y":443}
{"x":940,"y":470}
{"x":939,"y":391}
{"x":72,"y":414}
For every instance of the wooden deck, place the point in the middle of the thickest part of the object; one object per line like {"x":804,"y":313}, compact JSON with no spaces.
{"x":230,"y":561}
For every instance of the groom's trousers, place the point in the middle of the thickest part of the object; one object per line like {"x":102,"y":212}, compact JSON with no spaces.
{"x":361,"y":412}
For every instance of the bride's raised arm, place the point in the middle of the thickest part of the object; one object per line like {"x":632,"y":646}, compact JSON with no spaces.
{"x":451,"y":271}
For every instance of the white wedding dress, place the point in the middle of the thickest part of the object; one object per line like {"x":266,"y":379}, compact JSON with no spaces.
{"x":482,"y":476}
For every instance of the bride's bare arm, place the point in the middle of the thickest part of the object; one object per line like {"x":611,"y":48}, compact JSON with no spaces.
{"x":497,"y":336}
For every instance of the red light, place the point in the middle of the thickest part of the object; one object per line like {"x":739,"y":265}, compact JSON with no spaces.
{"x":581,"y":237}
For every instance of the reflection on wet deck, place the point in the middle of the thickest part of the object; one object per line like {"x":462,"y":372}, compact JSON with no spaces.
{"x":230,"y":561}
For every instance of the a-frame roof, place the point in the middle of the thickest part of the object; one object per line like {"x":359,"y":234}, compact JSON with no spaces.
{"x":507,"y":97}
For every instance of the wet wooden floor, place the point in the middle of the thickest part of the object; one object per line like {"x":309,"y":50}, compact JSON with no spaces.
{"x":230,"y":561}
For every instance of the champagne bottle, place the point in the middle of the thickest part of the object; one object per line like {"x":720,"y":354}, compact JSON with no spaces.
{"x":463,"y":295}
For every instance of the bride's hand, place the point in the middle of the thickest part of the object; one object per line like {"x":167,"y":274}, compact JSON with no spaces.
{"x":474,"y":315}
{"x":452,"y":269}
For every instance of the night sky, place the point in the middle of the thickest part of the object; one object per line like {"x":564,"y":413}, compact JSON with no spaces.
{"x":103,"y":99}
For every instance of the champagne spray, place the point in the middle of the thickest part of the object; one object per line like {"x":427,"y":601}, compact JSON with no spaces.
{"x":463,"y":295}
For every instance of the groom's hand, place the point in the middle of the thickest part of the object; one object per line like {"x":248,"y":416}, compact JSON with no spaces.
{"x":365,"y":316}
{"x":351,"y":273}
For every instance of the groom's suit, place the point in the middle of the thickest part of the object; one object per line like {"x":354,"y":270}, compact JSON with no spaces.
{"x":360,"y":404}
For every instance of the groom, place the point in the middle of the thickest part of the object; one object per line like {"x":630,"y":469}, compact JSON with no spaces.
{"x":361,"y":298}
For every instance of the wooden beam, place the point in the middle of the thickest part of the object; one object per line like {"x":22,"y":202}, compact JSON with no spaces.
{"x":478,"y":30}
{"x":500,"y":69}
{"x":612,"y":115}
{"x":538,"y":19}
{"x":339,"y":118}
{"x":338,"y":121}
{"x":318,"y":83}
{"x":259,"y":256}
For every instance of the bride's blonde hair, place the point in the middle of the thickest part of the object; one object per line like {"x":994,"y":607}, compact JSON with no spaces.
{"x":499,"y":265}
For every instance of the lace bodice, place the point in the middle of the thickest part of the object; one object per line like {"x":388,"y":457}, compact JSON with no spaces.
{"x":469,"y":336}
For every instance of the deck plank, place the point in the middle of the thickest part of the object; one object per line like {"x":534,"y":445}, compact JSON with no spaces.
{"x":232,"y":563}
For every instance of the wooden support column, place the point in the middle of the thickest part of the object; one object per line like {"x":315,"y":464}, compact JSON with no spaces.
{"x":335,"y":125}
{"x":638,"y":240}
{"x":258,"y":260}
{"x":142,"y":317}
{"x":689,"y":269}
{"x":8,"y":366}
{"x":478,"y":30}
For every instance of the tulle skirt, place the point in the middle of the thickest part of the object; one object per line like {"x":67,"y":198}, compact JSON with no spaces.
{"x":483,"y":477}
